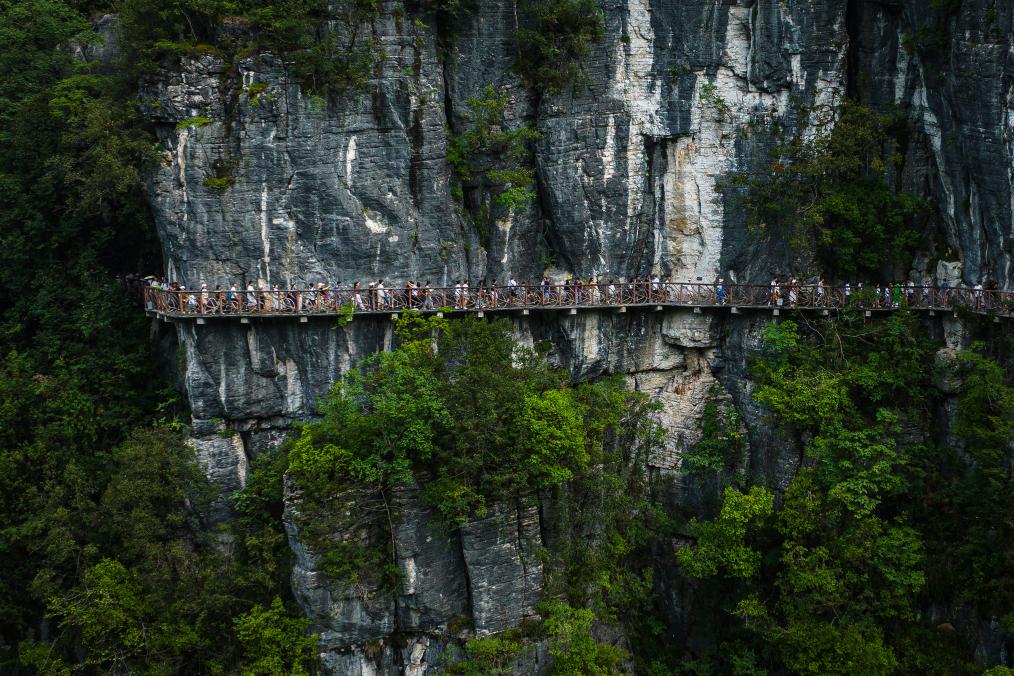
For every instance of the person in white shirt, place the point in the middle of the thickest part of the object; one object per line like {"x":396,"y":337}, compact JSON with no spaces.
{"x":512,"y":290}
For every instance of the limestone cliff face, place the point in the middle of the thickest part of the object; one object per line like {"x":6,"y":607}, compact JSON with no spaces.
{"x":628,"y":171}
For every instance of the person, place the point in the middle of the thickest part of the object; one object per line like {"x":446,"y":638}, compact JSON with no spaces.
{"x":887,"y":295}
{"x":232,"y":296}
{"x":848,"y":292}
{"x":688,"y":289}
{"x":428,"y":296}
{"x":251,"y":297}
{"x":720,"y":291}
{"x":466,"y":292}
{"x":357,"y":296}
{"x":204,"y":297}
{"x":977,"y":293}
{"x":494,"y":295}
{"x":896,"y":294}
{"x":793,"y":292}
{"x":545,"y":289}
{"x":654,"y":287}
{"x":774,"y":294}
{"x":820,"y":290}
{"x":512,"y":290}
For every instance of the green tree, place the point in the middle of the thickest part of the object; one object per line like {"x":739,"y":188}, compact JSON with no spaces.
{"x":826,"y":191}
{"x":275,"y":643}
{"x":828,"y":588}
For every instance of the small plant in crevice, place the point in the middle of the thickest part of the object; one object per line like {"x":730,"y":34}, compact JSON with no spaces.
{"x":711,"y":98}
{"x":198,"y":121}
{"x":258,"y":92}
{"x":223,"y":178}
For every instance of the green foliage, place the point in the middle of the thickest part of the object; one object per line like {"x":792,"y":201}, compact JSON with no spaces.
{"x":475,"y":421}
{"x":711,"y":98}
{"x":557,"y":34}
{"x":832,"y":587}
{"x":171,"y":596}
{"x":485,"y":416}
{"x":825,"y":191}
{"x":218,"y":183}
{"x":490,"y":159}
{"x":721,"y":543}
{"x":274,"y":643}
{"x":198,"y":121}
{"x":722,"y":441}
{"x":489,"y":655}
{"x":75,"y":374}
{"x":971,"y":508}
{"x":574,"y":650}
{"x":329,"y":46}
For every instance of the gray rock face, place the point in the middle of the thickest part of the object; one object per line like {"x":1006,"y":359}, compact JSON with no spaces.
{"x":504,"y":575}
{"x":676,"y":97}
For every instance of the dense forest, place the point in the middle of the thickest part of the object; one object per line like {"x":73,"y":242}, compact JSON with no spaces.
{"x":112,"y":561}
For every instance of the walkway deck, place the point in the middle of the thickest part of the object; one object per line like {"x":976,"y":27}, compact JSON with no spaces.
{"x":206,"y":304}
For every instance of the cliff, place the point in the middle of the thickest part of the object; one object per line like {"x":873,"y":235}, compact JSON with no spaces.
{"x":629,"y":173}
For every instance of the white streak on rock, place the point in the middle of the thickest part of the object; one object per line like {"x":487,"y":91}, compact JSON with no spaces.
{"x":350,"y":158}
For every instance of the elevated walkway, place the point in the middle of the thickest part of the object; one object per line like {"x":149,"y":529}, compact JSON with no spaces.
{"x":301,"y":304}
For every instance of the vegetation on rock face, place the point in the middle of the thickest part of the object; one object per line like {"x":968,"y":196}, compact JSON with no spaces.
{"x":492,"y":161}
{"x":471,"y":419}
{"x":460,"y":409}
{"x":827,"y":191}
{"x":329,"y":45}
{"x":832,"y":578}
{"x":558,"y":33}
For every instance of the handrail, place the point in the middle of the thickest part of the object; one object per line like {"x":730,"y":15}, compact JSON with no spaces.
{"x":333,"y":301}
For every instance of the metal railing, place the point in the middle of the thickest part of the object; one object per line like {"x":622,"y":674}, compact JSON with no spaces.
{"x":334,"y":301}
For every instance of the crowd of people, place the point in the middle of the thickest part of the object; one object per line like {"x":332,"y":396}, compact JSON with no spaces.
{"x":379,"y":295}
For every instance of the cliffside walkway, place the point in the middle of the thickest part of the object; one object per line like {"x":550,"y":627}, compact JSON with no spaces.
{"x":244,"y":304}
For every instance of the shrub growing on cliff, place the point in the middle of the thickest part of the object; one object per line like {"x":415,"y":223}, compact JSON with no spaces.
{"x":826,"y":191}
{"x":491,"y":160}
{"x":557,"y":34}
